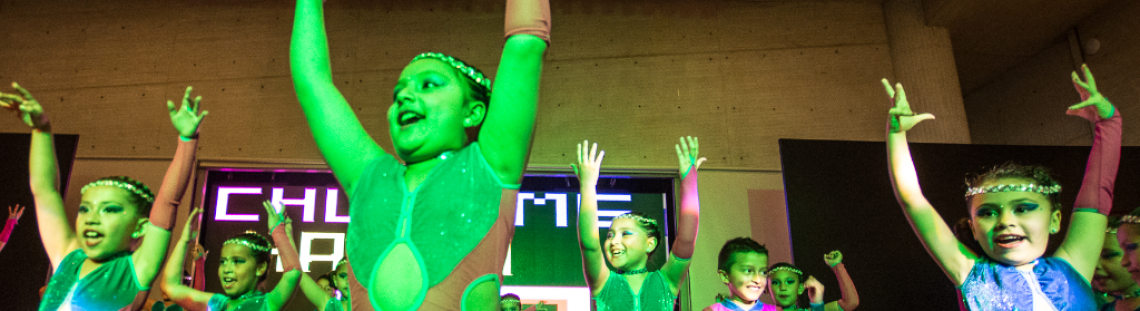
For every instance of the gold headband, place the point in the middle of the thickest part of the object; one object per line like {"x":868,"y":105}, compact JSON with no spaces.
{"x":255,"y":247}
{"x":785,"y":268}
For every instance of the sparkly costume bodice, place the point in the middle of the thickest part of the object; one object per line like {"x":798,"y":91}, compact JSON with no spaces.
{"x":255,"y":303}
{"x":334,"y":305}
{"x":994,"y":286}
{"x":112,"y":286}
{"x":654,"y":295}
{"x":454,"y":228}
{"x":727,"y":305}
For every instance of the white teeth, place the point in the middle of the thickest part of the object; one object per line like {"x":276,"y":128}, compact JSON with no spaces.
{"x":91,"y":234}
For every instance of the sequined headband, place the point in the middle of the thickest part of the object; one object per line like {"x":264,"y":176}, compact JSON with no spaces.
{"x":638,"y":218}
{"x":252,"y":246}
{"x":1130,"y":219}
{"x":145,"y":194}
{"x":1046,"y":190}
{"x":785,"y":268}
{"x":510,"y":300}
{"x":467,"y":70}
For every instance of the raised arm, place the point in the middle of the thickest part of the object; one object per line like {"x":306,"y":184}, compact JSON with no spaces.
{"x":593,"y":262}
{"x":149,"y":256}
{"x":509,"y":126}
{"x":850,"y":299}
{"x":171,"y":285}
{"x":9,"y":225}
{"x":55,"y":231}
{"x":342,"y":140}
{"x":955,"y":259}
{"x":814,"y":291}
{"x":1094,"y":201}
{"x":313,"y":292}
{"x":689,"y":217}
{"x":281,"y":228}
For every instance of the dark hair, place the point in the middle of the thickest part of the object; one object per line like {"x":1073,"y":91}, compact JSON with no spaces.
{"x":258,"y":255}
{"x":1114,"y":221}
{"x":737,"y":245}
{"x":1040,"y":175}
{"x":965,"y":235}
{"x":647,"y":224}
{"x":326,"y":278}
{"x":786,"y":265}
{"x":143,"y":205}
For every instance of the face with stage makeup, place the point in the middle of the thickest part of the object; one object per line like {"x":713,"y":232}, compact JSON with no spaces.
{"x":628,"y":244}
{"x":1129,"y":237}
{"x":785,"y":286}
{"x":433,"y":108}
{"x":340,"y":278}
{"x":1110,"y":275}
{"x":240,"y":268}
{"x":108,"y":216}
{"x":1013,"y":227}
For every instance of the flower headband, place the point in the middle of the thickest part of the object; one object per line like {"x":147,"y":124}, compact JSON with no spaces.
{"x":466,"y":70}
{"x":1046,"y":190}
{"x":141,"y":192}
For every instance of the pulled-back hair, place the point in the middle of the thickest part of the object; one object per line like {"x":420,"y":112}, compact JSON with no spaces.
{"x":260,"y":250}
{"x":738,"y":245}
{"x":1040,"y":175}
{"x":645,"y":223}
{"x":785,"y":265}
{"x":138,"y":191}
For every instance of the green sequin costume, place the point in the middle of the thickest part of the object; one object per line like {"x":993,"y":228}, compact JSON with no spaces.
{"x":654,"y":295}
{"x":112,"y":286}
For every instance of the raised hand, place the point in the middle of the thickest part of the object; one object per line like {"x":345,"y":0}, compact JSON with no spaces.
{"x":276,"y":215}
{"x":186,"y":118}
{"x":833,"y":258}
{"x":26,"y":107}
{"x":589,"y":163}
{"x":189,"y":231}
{"x":687,"y":155}
{"x":15,"y":212}
{"x":902,"y":118}
{"x":540,"y":306}
{"x":1090,"y":97}
{"x":814,"y":290}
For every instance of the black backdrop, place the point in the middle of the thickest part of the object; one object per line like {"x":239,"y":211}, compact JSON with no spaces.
{"x":23,"y":264}
{"x":839,"y":197}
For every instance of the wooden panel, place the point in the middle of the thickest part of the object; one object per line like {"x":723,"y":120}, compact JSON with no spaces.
{"x":1116,"y":66}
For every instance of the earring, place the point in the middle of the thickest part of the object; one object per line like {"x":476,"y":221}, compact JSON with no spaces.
{"x":135,"y":235}
{"x":1053,"y":231}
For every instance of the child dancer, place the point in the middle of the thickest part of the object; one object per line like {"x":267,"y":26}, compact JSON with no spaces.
{"x":743,"y":267}
{"x":326,"y":299}
{"x":786,"y":283}
{"x":13,"y":216}
{"x":432,"y":226}
{"x":512,"y":302}
{"x":96,"y":270}
{"x":245,"y":264}
{"x":1013,"y":211}
{"x":786,"y":298}
{"x":1111,"y":279}
{"x":632,"y":238}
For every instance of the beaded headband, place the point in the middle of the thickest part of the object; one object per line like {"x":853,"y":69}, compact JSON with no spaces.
{"x":638,"y":218}
{"x":141,"y":192}
{"x":510,"y":300}
{"x":786,"y":268}
{"x":251,"y":246}
{"x":1046,"y":190}
{"x":467,"y":70}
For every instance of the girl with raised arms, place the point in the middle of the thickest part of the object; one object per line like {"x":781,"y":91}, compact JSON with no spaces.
{"x":323,"y":296}
{"x":95,"y":269}
{"x":1013,"y":210}
{"x":632,"y":239}
{"x":432,"y":224}
{"x":244,"y":266}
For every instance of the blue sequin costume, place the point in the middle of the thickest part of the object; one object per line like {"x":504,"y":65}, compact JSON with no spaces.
{"x":993,"y":286}
{"x":654,"y":295}
{"x":255,"y":302}
{"x":457,"y":224}
{"x":112,"y":286}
